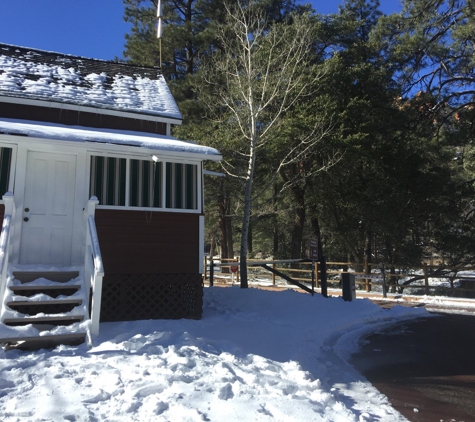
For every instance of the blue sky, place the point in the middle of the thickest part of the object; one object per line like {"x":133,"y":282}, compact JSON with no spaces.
{"x":90,"y":28}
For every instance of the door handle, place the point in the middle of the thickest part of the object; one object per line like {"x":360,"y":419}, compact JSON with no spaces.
{"x":26,"y":219}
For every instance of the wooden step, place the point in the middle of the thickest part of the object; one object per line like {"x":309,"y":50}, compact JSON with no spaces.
{"x":44,"y":306}
{"x":58,"y":276}
{"x":51,"y":320}
{"x":43,"y":342}
{"x":52,"y":291}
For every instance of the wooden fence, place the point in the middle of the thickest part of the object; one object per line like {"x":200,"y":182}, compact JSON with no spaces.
{"x":426,"y":279}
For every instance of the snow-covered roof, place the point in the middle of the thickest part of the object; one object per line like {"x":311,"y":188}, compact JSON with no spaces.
{"x":55,"y":77}
{"x":149,"y":141}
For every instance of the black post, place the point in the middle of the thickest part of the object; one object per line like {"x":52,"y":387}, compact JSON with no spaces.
{"x":346,"y":287}
{"x":211,"y":272}
{"x":383,"y":273}
{"x":323,"y":272}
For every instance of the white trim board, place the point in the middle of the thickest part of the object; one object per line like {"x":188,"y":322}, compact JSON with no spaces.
{"x":103,"y":139}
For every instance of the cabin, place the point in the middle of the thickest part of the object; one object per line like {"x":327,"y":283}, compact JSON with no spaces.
{"x":102,"y":209}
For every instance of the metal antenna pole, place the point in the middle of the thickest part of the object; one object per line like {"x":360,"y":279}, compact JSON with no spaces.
{"x":160,"y":50}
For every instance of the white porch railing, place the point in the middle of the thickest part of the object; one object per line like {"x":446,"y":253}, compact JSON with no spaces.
{"x":5,"y":242}
{"x":93,"y":267}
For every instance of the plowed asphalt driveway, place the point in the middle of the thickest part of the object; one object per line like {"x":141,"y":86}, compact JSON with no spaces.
{"x":426,"y":367}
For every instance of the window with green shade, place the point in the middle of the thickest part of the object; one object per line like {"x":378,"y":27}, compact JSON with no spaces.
{"x":108,"y":179}
{"x":145,"y":184}
{"x":181,"y":186}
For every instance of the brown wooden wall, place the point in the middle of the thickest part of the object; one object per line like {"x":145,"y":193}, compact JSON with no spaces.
{"x":72,"y":117}
{"x":143,"y":242}
{"x":2,"y":211}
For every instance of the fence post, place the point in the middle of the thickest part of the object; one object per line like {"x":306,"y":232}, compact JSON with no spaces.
{"x":348,"y":289}
{"x":316,"y":274}
{"x":211,"y":272}
{"x":323,"y":274}
{"x":426,"y":278}
{"x":366,"y":271}
{"x":313,"y":277}
{"x":206,"y":267}
{"x":273,"y":275}
{"x":383,"y":273}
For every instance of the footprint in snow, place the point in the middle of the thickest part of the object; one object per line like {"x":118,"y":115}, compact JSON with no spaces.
{"x":102,"y":396}
{"x":226,"y":392}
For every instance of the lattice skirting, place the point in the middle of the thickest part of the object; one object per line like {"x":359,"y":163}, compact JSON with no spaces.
{"x":151,"y":296}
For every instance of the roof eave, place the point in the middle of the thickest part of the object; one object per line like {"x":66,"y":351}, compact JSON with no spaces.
{"x":91,"y":109}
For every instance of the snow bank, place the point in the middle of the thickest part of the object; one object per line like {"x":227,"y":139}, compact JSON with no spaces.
{"x":255,"y":355}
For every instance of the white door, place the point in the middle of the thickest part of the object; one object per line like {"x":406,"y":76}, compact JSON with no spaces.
{"x":47,"y":226}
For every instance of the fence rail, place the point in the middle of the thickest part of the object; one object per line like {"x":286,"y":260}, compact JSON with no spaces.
{"x":425,"y":279}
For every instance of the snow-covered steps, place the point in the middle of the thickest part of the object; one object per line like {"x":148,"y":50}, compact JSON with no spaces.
{"x":39,"y":320}
{"x":44,"y":342}
{"x":58,"y":276}
{"x":44,"y":308}
{"x":52,"y":291}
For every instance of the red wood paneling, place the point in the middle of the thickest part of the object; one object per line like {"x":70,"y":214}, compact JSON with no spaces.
{"x":71,"y":117}
{"x":144,"y":242}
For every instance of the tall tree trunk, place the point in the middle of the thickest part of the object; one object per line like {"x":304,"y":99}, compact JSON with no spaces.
{"x":275,"y":249}
{"x":211,"y":248}
{"x":316,"y":231}
{"x":188,"y":12}
{"x":249,"y":237}
{"x":223,"y":243}
{"x":222,"y":223}
{"x":299,"y":222}
{"x":229,"y":231}
{"x":369,"y":246}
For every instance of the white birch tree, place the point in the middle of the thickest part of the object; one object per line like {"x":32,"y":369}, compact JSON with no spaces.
{"x":257,"y":73}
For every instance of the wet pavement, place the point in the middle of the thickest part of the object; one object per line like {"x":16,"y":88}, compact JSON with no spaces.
{"x":426,"y":367}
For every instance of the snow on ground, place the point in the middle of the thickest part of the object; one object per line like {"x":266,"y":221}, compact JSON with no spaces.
{"x":256,"y":355}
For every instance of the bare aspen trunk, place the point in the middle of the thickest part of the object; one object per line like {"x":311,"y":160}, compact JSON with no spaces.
{"x":247,"y":215}
{"x":245,"y":233}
